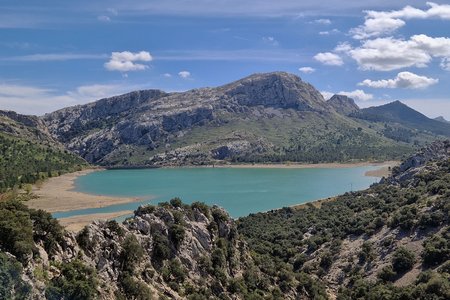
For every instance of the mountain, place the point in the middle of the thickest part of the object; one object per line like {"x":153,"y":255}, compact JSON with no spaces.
{"x":266,"y":117}
{"x":28,"y":153}
{"x":399,"y":113}
{"x":392,"y":239}
{"x":343,"y":104}
{"x":441,"y":119}
{"x":27,"y":127}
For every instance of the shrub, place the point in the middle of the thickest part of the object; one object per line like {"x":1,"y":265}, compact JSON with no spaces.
{"x":131,"y":254}
{"x":76,"y":281}
{"x":403,"y":260}
{"x":436,"y":250}
{"x":176,"y":202}
{"x":387,"y":273}
{"x":161,"y":249}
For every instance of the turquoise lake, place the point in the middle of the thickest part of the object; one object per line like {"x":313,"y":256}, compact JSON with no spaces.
{"x":240,"y":191}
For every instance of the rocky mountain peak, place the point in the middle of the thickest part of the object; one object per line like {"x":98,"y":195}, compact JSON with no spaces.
{"x":343,"y":104}
{"x":277,"y":90}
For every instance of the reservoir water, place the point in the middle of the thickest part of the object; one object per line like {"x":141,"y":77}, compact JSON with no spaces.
{"x":240,"y":191}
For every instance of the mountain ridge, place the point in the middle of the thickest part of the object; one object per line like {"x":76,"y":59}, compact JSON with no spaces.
{"x":265,"y":117}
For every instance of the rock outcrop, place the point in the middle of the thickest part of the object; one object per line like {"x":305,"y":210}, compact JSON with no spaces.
{"x":343,"y":104}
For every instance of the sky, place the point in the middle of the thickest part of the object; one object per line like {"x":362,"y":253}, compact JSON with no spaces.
{"x":57,"y":53}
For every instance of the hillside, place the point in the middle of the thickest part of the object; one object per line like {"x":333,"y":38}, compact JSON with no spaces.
{"x":267,"y":117}
{"x":28,"y":153}
{"x":401,"y":122}
{"x":388,"y":242}
{"x":391,"y":239}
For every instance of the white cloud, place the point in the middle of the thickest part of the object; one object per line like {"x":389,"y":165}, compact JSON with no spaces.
{"x":328,"y":58}
{"x":344,"y":47}
{"x":326,"y":95}
{"x":333,"y":31}
{"x":37,"y":100}
{"x":357,"y":95}
{"x":104,"y":18}
{"x":184,"y":74}
{"x":322,"y":21}
{"x":405,"y":80}
{"x":270,"y":40}
{"x":376,"y":27}
{"x":126,"y":61}
{"x":167,"y":75}
{"x":307,"y":70}
{"x":387,"y":54}
{"x":379,"y":23}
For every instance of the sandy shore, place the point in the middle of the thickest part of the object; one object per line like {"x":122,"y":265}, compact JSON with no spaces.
{"x":303,"y":166}
{"x":57,"y":194}
{"x":76,"y":223}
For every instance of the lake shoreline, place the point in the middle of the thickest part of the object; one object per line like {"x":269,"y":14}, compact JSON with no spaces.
{"x":58,"y":194}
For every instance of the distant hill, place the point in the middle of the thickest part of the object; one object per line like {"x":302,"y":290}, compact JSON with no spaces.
{"x":397,"y":112}
{"x":441,"y":119}
{"x":268,"y":117}
{"x":29,"y":153}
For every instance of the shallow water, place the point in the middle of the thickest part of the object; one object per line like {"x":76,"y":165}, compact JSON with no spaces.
{"x":240,"y":191}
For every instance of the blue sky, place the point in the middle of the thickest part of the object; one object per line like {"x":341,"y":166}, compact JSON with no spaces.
{"x":59,"y":53}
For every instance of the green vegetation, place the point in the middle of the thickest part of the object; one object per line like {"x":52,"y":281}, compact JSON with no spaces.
{"x":306,"y":239}
{"x":11,"y":284}
{"x":23,"y":162}
{"x":76,"y":282}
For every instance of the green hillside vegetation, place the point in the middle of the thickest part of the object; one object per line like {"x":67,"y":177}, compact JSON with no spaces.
{"x":23,"y":161}
{"x":308,"y":240}
{"x":391,"y":242}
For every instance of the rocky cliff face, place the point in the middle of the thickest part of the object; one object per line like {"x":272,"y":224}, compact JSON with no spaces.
{"x":437,"y":151}
{"x":173,"y":251}
{"x":30,"y":127}
{"x":343,"y":104}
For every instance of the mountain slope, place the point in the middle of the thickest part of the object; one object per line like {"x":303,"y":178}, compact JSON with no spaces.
{"x":264,"y":117}
{"x":397,"y":112}
{"x":29,"y":153}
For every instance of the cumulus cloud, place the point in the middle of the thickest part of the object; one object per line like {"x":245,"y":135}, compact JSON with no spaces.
{"x":307,"y":70}
{"x":167,"y":75}
{"x":379,"y":23}
{"x":357,"y":95}
{"x":405,"y":80}
{"x":328,"y":58}
{"x":127,"y":61}
{"x":184,"y":74}
{"x":376,"y":27}
{"x":387,"y":54}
